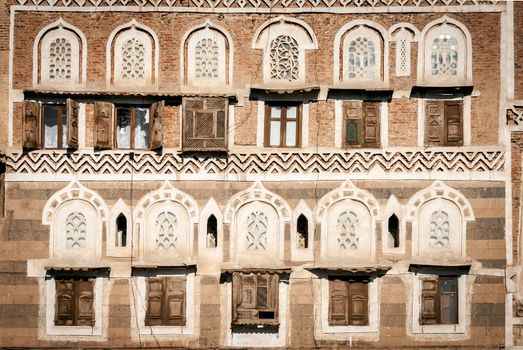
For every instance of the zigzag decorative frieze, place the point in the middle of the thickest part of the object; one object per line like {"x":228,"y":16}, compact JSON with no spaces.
{"x":515,"y":115}
{"x":363,"y":161}
{"x":254,"y":4}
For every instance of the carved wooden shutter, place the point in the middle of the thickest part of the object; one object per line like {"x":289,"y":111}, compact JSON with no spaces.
{"x":454,"y":123}
{"x":359,"y":304}
{"x":352,"y":111}
{"x":156,"y":115}
{"x":434,"y":123}
{"x":103,"y":125}
{"x":73,"y":109}
{"x":205,"y":124}
{"x":155,"y":297}
{"x":175,"y":288}
{"x":84,"y":299}
{"x":338,"y":303}
{"x":371,"y":130}
{"x":429,"y":301}
{"x":31,"y":128}
{"x":65,"y":303}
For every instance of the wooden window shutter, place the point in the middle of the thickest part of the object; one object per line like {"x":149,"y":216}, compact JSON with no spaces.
{"x":65,"y":303}
{"x":205,"y":124}
{"x":359,"y":304}
{"x":103,"y":125}
{"x":273,"y":294}
{"x":155,"y":297}
{"x":454,"y":123}
{"x":352,"y":112}
{"x":84,"y":299}
{"x":73,"y":110}
{"x":429,"y":301}
{"x":31,"y":126}
{"x":156,"y":115}
{"x":434,"y":123}
{"x":175,"y":295}
{"x":338,"y":303}
{"x":371,"y":129}
{"x":448,"y":295}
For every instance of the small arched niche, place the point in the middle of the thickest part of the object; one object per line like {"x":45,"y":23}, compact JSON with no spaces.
{"x":119,"y":238}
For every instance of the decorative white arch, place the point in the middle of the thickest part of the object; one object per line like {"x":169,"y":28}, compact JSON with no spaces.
{"x":120,"y":207}
{"x":403,"y":34}
{"x":211,"y":208}
{"x":208,"y":25}
{"x":423,"y":47}
{"x":361,"y":23}
{"x":304,"y":254}
{"x":130,"y":25}
{"x":408,"y":26}
{"x":287,"y":27}
{"x":59,"y":24}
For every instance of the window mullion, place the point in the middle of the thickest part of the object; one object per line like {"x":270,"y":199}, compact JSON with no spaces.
{"x":283,"y":126}
{"x":131,"y":132}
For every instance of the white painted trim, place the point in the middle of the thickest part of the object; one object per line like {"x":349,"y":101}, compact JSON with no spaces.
{"x":256,"y":44}
{"x":407,"y":36}
{"x":507,"y":38}
{"x":216,"y":253}
{"x":393,"y":206}
{"x":305,"y":125}
{"x":231,"y":127}
{"x":384,"y":125}
{"x":82,"y":126}
{"x":421,"y":122}
{"x":338,"y":123}
{"x":508,"y":202}
{"x":415,"y":31}
{"x":304,"y":254}
{"x":10,"y":107}
{"x":260,"y":134}
{"x":112,"y":250}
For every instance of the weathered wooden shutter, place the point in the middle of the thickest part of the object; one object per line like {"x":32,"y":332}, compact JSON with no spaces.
{"x":65,"y":303}
{"x":31,"y":128}
{"x":156,"y":115}
{"x":73,"y":110}
{"x":454,"y":123}
{"x":175,"y":288}
{"x":434,"y":123}
{"x":236,"y":295}
{"x":338,"y":303}
{"x":84,"y":300}
{"x":448,"y":295}
{"x":205,"y":124}
{"x":155,"y":297}
{"x":429,"y":301}
{"x":273,"y":285}
{"x":352,"y":111}
{"x":371,"y":129}
{"x":103,"y":125}
{"x":359,"y":304}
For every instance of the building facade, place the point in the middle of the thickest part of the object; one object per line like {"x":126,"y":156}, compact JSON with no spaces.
{"x":243,"y":174}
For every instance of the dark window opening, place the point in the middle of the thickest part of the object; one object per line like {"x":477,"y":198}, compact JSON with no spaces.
{"x":302,"y":228}
{"x":212,"y":232}
{"x":121,"y":231}
{"x":54,"y":131}
{"x":439,"y":300}
{"x":132,"y":128}
{"x":394,"y":231}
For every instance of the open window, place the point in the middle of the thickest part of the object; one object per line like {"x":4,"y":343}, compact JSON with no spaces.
{"x":212,"y":232}
{"x":283,"y":124}
{"x":444,"y":123}
{"x":302,"y":232}
{"x":439,"y":300}
{"x":361,"y":124}
{"x":394,"y":231}
{"x":121,"y":231}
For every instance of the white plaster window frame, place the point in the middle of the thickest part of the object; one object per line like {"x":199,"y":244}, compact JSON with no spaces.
{"x":408,"y":33}
{"x":467,"y":116}
{"x":346,"y":332}
{"x":464,"y":309}
{"x":443,"y":25}
{"x":257,"y":340}
{"x":211,"y":208}
{"x":138,"y":308}
{"x":305,"y":254}
{"x":188,"y":43}
{"x":127,"y":31}
{"x":112,"y":250}
{"x":393,"y":206}
{"x":343,"y":33}
{"x":75,"y":331}
{"x":338,"y":124}
{"x":53,"y":31}
{"x":295,"y":28}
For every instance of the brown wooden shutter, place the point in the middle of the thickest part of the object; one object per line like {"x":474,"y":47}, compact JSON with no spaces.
{"x":31,"y":128}
{"x":353,"y":115}
{"x":175,"y":295}
{"x":359,"y":304}
{"x":73,"y":109}
{"x":84,"y":299}
{"x":429,"y":301}
{"x":155,"y":297}
{"x":103,"y":125}
{"x":371,"y":129}
{"x":205,"y":124}
{"x":273,"y":295}
{"x":434,"y":123}
{"x":236,"y":295}
{"x":338,"y":303}
{"x":65,"y":303}
{"x":156,"y":114}
{"x":454,"y":123}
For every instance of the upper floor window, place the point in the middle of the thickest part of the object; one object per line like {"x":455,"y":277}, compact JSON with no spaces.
{"x":166,"y":301}
{"x":55,"y":126}
{"x":444,"y":123}
{"x":282,"y":125}
{"x":284,"y":52}
{"x":361,"y":124}
{"x":132,"y":127}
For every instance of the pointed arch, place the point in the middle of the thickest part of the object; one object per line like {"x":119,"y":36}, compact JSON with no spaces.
{"x":120,"y":208}
{"x":211,"y":208}
{"x":306,"y":253}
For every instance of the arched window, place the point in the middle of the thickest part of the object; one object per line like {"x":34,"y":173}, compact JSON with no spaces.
{"x":362,"y":54}
{"x":257,"y":226}
{"x":394,"y":231}
{"x":284,"y":53}
{"x":302,"y":232}
{"x":347,"y":227}
{"x":212,"y":232}
{"x":444,"y":56}
{"x":121,"y":231}
{"x":76,"y":228}
{"x":166,"y":231}
{"x":439,"y":229}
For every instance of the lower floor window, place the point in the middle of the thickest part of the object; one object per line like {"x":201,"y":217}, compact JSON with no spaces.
{"x":165,"y":301}
{"x":348,"y":302}
{"x":255,"y":298}
{"x":74,"y":303}
{"x":439,"y":300}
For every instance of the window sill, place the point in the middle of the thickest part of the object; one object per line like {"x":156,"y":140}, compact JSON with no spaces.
{"x":350,"y":329}
{"x":165,"y":330}
{"x":439,"y":329}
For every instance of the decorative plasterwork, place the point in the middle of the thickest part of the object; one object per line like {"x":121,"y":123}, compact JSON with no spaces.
{"x":257,"y":193}
{"x":439,"y":190}
{"x":515,"y":116}
{"x":73,"y":191}
{"x":348,"y":191}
